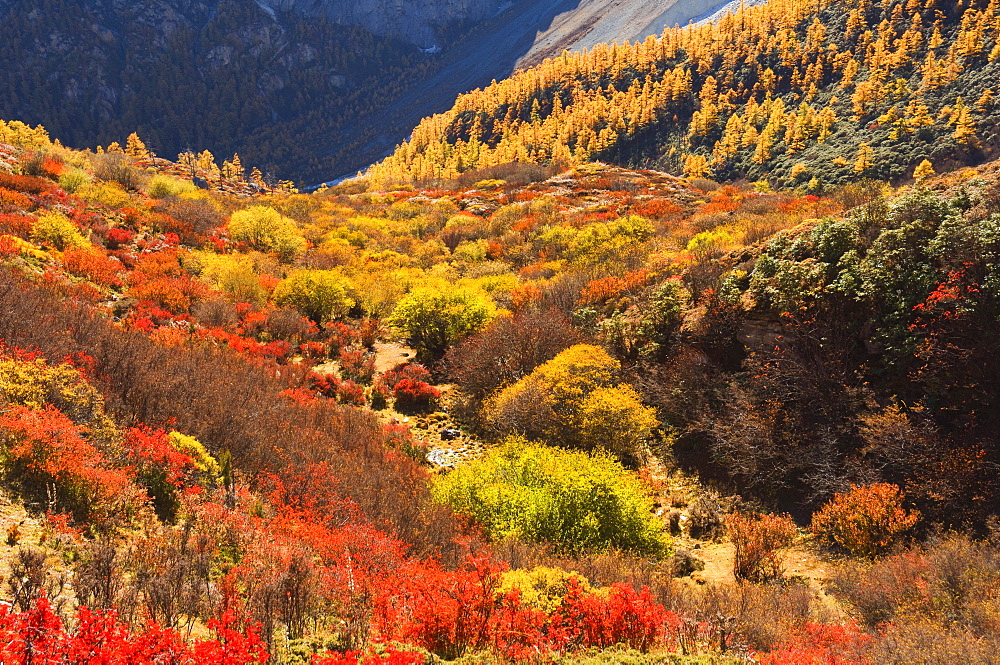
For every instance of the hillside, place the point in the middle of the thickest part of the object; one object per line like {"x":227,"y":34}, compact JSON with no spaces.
{"x":307,"y":91}
{"x":587,"y":415}
{"x":793,"y":92}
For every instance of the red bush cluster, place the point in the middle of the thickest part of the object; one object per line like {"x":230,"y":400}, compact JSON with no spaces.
{"x":39,"y":636}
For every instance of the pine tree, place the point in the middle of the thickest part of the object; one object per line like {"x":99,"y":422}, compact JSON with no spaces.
{"x":923,"y":171}
{"x":865,"y":159}
{"x":134,"y":147}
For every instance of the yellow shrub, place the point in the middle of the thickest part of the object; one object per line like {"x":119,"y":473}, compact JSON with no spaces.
{"x":107,"y":194}
{"x":33,"y":384}
{"x":543,"y":588}
{"x":194,"y":449}
{"x":161,"y":186}
{"x":574,"y":400}
{"x":55,"y":230}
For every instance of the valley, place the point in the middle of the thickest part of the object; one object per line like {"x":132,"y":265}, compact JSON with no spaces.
{"x":679,"y":350}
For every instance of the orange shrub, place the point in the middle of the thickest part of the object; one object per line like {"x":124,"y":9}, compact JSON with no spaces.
{"x":25,"y":183}
{"x":757,"y":538}
{"x":93,"y":265}
{"x":657,"y":208}
{"x":53,"y":167}
{"x":172,"y":293}
{"x":866,"y":520}
{"x":11,"y":199}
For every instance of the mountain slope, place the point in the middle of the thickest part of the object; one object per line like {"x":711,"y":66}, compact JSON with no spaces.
{"x":791,"y":91}
{"x":306,"y":90}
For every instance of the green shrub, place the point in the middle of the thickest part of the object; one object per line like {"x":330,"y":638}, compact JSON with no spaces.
{"x":267,"y":230}
{"x":161,"y":186}
{"x":435,"y":318}
{"x":322,"y":295}
{"x":73,"y":180}
{"x":573,"y":500}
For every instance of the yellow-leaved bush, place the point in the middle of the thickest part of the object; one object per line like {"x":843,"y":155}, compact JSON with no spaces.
{"x":572,"y":500}
{"x":56,"y":230}
{"x":543,"y":587}
{"x":574,"y":400}
{"x":267,"y":230}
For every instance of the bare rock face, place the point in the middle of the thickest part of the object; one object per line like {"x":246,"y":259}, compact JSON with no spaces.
{"x":414,"y":21}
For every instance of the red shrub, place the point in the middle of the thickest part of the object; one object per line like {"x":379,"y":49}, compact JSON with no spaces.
{"x":357,"y":364}
{"x":414,"y":396}
{"x":312,"y":350}
{"x":118,"y":237}
{"x":53,"y":168}
{"x":447,"y":613}
{"x":49,"y":449}
{"x":150,"y":451}
{"x":39,"y":636}
{"x":339,"y":335}
{"x":9,"y":246}
{"x":624,"y":617}
{"x":412,"y":371}
{"x":820,"y":644}
{"x":25,"y":183}
{"x":757,"y":537}
{"x":657,"y":208}
{"x":16,"y":225}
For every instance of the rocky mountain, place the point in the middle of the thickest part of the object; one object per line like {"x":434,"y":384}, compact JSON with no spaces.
{"x":416,"y":21}
{"x":305,"y":89}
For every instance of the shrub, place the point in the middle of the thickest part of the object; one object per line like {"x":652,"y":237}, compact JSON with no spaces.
{"x":16,"y":225}
{"x":573,"y":399}
{"x":14,"y":200}
{"x":948,"y":582}
{"x":866,"y":520}
{"x":24,"y":183}
{"x":267,"y":230}
{"x":543,"y":588}
{"x":44,"y":448}
{"x":573,"y":500}
{"x":118,"y":168}
{"x":161,"y":186}
{"x":39,"y":636}
{"x":106,"y":194}
{"x":414,"y":396}
{"x":435,"y":318}
{"x":757,"y":537}
{"x":818,"y":644}
{"x":200,"y":215}
{"x":508,"y":350}
{"x":357,"y":364}
{"x":322,"y":295}
{"x":94,"y":265}
{"x":625,"y":617}
{"x":73,"y":179}
{"x":56,"y":230}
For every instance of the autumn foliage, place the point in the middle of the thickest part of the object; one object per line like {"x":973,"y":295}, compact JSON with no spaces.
{"x":866,"y":520}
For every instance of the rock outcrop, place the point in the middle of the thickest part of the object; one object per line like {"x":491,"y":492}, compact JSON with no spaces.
{"x":414,"y":21}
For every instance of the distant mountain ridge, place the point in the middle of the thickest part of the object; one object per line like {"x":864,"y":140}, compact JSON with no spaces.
{"x":306,"y":89}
